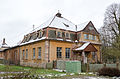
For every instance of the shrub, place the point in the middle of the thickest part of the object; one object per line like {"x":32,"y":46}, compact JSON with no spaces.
{"x":106,"y":71}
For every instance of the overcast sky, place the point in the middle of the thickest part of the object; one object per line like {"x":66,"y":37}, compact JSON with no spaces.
{"x":18,"y":16}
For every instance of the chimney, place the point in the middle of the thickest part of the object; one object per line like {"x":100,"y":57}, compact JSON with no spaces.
{"x":3,"y":41}
{"x":59,"y":14}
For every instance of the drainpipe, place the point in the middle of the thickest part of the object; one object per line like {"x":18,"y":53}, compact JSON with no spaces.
{"x":48,"y":50}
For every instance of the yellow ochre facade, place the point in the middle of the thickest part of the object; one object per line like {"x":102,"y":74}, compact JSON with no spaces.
{"x":59,"y":39}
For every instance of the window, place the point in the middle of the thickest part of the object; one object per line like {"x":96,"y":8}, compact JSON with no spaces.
{"x":67,"y":52}
{"x":59,"y":34}
{"x":26,"y":53}
{"x":93,"y":55}
{"x":95,"y":37}
{"x":90,"y":37}
{"x":33,"y":52}
{"x":40,"y":34}
{"x":67,"y":35}
{"x":39,"y":52}
{"x":80,"y":35}
{"x":23,"y":53}
{"x":91,"y":28}
{"x":59,"y":52}
{"x":85,"y":36}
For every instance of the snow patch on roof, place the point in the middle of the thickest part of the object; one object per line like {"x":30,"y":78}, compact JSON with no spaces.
{"x":58,"y":22}
{"x":83,"y":46}
{"x":31,"y":41}
{"x":82,"y":26}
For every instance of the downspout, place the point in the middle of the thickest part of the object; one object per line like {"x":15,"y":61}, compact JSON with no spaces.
{"x":48,"y":45}
{"x":48,"y":50}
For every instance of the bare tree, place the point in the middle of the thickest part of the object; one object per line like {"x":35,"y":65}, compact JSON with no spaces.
{"x":110,"y":32}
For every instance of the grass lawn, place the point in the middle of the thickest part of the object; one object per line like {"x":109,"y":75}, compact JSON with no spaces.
{"x":29,"y":70}
{"x":44,"y":73}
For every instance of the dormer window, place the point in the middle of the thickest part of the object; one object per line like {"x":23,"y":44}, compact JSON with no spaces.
{"x":59,"y":34}
{"x":34,"y":35}
{"x":40,"y":34}
{"x":67,"y":35}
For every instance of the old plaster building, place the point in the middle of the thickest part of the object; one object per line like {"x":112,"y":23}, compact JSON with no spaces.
{"x":57,"y":39}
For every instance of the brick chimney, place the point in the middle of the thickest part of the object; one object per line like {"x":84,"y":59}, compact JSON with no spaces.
{"x":3,"y":41}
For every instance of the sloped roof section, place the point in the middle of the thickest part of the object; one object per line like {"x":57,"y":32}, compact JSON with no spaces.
{"x":59,"y":22}
{"x":83,"y":46}
{"x":82,"y":25}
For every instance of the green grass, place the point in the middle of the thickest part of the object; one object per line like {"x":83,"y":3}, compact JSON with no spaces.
{"x":7,"y":68}
{"x":34,"y":71}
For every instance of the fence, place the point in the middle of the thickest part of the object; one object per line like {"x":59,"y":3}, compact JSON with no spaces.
{"x":69,"y":66}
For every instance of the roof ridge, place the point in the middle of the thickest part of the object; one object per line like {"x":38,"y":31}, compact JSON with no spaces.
{"x":52,"y":20}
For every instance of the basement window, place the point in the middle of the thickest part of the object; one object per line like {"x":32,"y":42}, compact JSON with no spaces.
{"x":59,"y":52}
